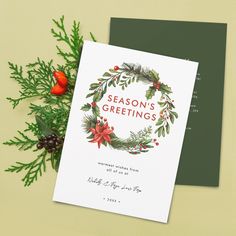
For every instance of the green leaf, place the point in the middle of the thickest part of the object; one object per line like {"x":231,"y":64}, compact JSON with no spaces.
{"x":154,"y":75}
{"x":163,"y":132}
{"x":90,"y":94}
{"x":96,"y":111}
{"x":110,"y":83}
{"x":172,"y":118}
{"x":174,"y":113}
{"x":167,"y":128}
{"x":106,"y":74}
{"x":86,"y":107}
{"x":150,"y":92}
{"x":93,"y":86}
{"x":159,"y":131}
{"x":162,"y":104}
{"x":159,"y":122}
{"x":104,"y":90}
{"x":97,"y":96}
{"x":165,"y":88}
{"x":43,"y":127}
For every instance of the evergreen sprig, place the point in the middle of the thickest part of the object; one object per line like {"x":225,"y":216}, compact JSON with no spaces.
{"x":36,"y":81}
{"x":33,"y":169}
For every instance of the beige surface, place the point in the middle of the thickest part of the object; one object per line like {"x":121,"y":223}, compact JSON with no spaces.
{"x":24,"y":31}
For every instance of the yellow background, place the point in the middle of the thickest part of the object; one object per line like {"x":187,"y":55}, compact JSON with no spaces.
{"x":25,"y":35}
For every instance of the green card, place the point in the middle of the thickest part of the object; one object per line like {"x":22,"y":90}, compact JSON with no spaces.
{"x":206,"y":44}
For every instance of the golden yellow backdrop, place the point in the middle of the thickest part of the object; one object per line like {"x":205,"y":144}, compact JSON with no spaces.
{"x":24,"y":35}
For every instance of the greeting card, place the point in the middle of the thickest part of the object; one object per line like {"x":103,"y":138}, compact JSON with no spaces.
{"x":125,"y":131}
{"x":199,"y":41}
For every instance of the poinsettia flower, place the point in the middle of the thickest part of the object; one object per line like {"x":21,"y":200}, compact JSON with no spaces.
{"x":101,"y":134}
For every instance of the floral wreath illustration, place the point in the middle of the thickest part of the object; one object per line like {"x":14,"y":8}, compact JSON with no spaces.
{"x":97,"y":126}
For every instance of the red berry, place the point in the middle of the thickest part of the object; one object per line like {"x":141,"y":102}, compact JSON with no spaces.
{"x":157,"y":85}
{"x":58,"y":90}
{"x":116,"y":67}
{"x":61,"y":78}
{"x":112,"y":128}
{"x":105,"y":119}
{"x":58,"y":74}
{"x":154,"y":140}
{"x":157,"y":144}
{"x":93,"y":104}
{"x":101,"y":117}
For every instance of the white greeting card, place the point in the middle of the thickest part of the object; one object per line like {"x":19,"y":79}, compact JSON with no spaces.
{"x":125,"y":131}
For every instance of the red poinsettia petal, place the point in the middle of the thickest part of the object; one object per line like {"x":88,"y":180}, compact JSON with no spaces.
{"x":92,"y":130}
{"x":100,"y":142}
{"x":107,"y":138}
{"x":107,"y":131}
{"x":96,"y":138}
{"x":98,"y":128}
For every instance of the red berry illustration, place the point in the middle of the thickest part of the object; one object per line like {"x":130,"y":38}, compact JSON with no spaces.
{"x":93,"y":104}
{"x":157,"y":85}
{"x":116,"y":68}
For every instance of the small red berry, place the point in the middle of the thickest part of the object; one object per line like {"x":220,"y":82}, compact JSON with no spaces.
{"x":157,"y":144}
{"x":140,"y":149}
{"x":157,"y":85}
{"x":105,"y":119}
{"x":144,"y":147}
{"x":154,"y":140}
{"x":93,"y":104}
{"x":112,"y":128}
{"x":101,"y":117}
{"x":116,"y":67}
{"x":58,"y":90}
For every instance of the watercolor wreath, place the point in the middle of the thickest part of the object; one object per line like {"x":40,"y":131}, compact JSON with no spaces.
{"x":97,"y":126}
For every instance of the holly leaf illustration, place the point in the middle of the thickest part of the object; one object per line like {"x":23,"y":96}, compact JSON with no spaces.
{"x":150,"y":92}
{"x":154,"y":75}
{"x":165,"y":88}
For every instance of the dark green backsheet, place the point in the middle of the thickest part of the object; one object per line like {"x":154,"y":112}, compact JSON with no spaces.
{"x":201,"y":42}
